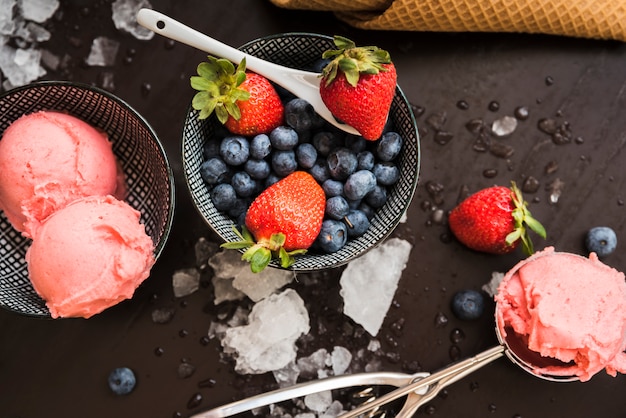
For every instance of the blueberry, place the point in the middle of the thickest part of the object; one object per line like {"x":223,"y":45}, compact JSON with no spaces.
{"x":257,"y":169}
{"x":332,"y":237}
{"x":389,"y":146}
{"x":365,"y":160}
{"x":214,"y":171}
{"x":284,"y":162}
{"x":356,"y":143}
{"x":324,"y":142}
{"x":223,"y":196}
{"x":341,"y":163}
{"x":260,"y":146}
{"x":239,"y":207}
{"x":271,"y":179}
{"x":332,"y":187}
{"x":359,"y":184}
{"x":319,"y":171}
{"x":211,"y":148}
{"x":367,"y":210}
{"x":244,"y":185}
{"x":386,"y":173}
{"x":300,"y":115}
{"x":468,"y":304}
{"x":235,"y":150}
{"x":601,"y":240}
{"x":306,"y":155}
{"x":377,"y":197}
{"x":122,"y":380}
{"x":283,"y":138}
{"x":357,"y":223}
{"x":337,"y":207}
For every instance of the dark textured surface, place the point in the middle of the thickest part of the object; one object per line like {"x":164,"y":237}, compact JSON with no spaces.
{"x":59,"y":368}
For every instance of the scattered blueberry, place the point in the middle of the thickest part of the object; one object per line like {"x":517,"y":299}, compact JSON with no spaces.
{"x":468,"y":304}
{"x":336,"y":207}
{"x":324,"y":142}
{"x":211,"y":148}
{"x":223,"y":196}
{"x":243,"y":184}
{"x":122,"y":380}
{"x":389,"y":146}
{"x":367,"y":210}
{"x":359,"y":184}
{"x":306,"y":155}
{"x":319,"y":171}
{"x":341,"y":163}
{"x":365,"y":160}
{"x":333,"y":236}
{"x":284,"y":162}
{"x":240,"y":207}
{"x":332,"y":187}
{"x":300,"y":115}
{"x":257,"y":169}
{"x":356,"y":143}
{"x":283,"y":138}
{"x":214,"y":171}
{"x":377,"y":197}
{"x":386,"y":173}
{"x":260,"y":146}
{"x":271,"y":179}
{"x":357,"y":223}
{"x":601,"y":240}
{"x":234,"y":150}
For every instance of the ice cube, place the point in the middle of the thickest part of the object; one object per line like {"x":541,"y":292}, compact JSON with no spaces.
{"x":369,"y":283}
{"x":7,"y":20}
{"x":287,"y":376}
{"x":491,"y":287}
{"x":319,"y":401}
{"x":224,"y":291}
{"x":504,"y":126}
{"x":185,"y":282}
{"x":125,"y":17}
{"x":334,"y":410}
{"x":20,"y":66}
{"x":267,"y":342}
{"x":340,"y":358}
{"x":38,"y":10}
{"x":103,"y":52}
{"x":314,"y":364}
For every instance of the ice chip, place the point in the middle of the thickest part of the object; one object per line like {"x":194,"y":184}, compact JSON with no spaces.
{"x":504,"y":126}
{"x":185,"y":282}
{"x":314,"y":364}
{"x":287,"y":376}
{"x":267,"y":342}
{"x":341,"y":358}
{"x":125,"y":17}
{"x":491,"y":287}
{"x":7,"y":21}
{"x":224,"y":291}
{"x":319,"y":401}
{"x":334,"y":410}
{"x":38,"y":10}
{"x":103,"y":52}
{"x":369,"y":283}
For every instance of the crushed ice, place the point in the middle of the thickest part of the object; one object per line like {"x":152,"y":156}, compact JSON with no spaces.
{"x":504,"y":126}
{"x":124,"y":14}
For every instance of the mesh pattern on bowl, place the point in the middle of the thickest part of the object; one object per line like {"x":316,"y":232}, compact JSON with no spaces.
{"x":148,"y":175}
{"x":300,"y":50}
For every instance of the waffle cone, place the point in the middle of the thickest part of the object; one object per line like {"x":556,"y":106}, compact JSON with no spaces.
{"x":598,"y":19}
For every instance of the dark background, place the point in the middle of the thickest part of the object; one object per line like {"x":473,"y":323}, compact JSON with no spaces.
{"x":59,"y":368}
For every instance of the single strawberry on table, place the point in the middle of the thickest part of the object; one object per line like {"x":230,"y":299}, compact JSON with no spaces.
{"x":358,"y":86}
{"x":283,"y":221}
{"x":245,"y":102}
{"x":495,"y":220}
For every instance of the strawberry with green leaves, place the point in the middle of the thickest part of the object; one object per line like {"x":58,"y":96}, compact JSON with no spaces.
{"x":282,"y":222}
{"x":358,"y":86}
{"x":245,"y":102}
{"x":495,"y":220}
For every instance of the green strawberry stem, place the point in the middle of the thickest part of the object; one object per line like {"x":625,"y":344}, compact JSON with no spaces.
{"x":217,"y":83}
{"x":353,"y":61}
{"x":259,"y":254}
{"x":523,"y":222}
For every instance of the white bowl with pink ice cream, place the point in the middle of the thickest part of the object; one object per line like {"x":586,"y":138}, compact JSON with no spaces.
{"x":86,"y":200}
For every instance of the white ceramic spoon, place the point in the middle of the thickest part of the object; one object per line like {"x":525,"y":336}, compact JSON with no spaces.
{"x":303,"y":84}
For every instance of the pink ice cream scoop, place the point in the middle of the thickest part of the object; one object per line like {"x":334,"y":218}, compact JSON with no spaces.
{"x":566,"y":307}
{"x":89,"y":256}
{"x":48,"y":159}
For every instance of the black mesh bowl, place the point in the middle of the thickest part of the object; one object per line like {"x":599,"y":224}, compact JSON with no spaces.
{"x":301,"y":50}
{"x":148,"y":174}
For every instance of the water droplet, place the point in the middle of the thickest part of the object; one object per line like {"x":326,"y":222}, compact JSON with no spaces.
{"x":146,"y":88}
{"x":441,"y":320}
{"x":547,"y":125}
{"x":207,"y":383}
{"x":205,"y":340}
{"x":418,"y":110}
{"x":185,"y":370}
{"x":551,"y":167}
{"x":457,"y":335}
{"x":445,"y":238}
{"x":474,"y":386}
{"x":454,"y":352}
{"x":556,"y":189}
{"x":443,"y":137}
{"x":501,"y":150}
{"x":170,"y":44}
{"x":493,"y":106}
{"x":430,"y":410}
{"x":482,"y":143}
{"x":159,"y":351}
{"x":163,"y":315}
{"x":549,"y":80}
{"x":462,"y":104}
{"x":530,"y":185}
{"x":438,"y":216}
{"x":521,"y":112}
{"x":434,"y":188}
{"x":579,"y":140}
{"x":490,"y":173}
{"x":437,"y":120}
{"x":183,"y":333}
{"x":177,"y":414}
{"x":504,"y":126}
{"x":492,"y":408}
{"x":194,"y":401}
{"x":475,"y":125}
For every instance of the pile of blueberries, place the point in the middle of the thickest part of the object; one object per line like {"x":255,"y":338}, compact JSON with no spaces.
{"x":354,"y":173}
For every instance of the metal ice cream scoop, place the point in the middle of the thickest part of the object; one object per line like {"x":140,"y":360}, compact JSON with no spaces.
{"x":304,"y":84}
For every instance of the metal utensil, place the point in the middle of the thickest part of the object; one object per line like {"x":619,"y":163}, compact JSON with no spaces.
{"x":303,"y":84}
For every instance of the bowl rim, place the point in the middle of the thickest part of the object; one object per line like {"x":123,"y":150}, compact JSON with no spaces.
{"x":158,"y":249}
{"x":381,"y":237}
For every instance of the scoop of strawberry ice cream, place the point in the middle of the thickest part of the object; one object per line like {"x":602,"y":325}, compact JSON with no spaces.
{"x":89,"y":256}
{"x":566,"y":307}
{"x":48,"y":159}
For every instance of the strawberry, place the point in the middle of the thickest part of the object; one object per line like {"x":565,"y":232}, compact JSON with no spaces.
{"x":284,"y":219}
{"x":495,"y":220}
{"x":358,"y":86}
{"x":245,"y":102}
